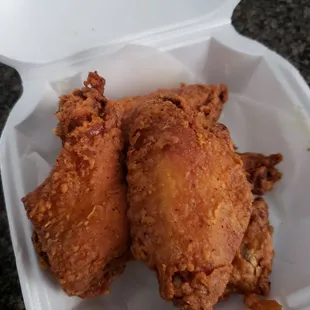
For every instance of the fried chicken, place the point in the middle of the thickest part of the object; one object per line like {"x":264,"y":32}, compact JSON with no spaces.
{"x":203,"y":103}
{"x":253,"y":261}
{"x":79,"y":211}
{"x":189,"y":202}
{"x":261,"y":171}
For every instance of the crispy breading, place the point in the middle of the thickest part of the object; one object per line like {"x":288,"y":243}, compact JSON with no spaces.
{"x":190,"y":202}
{"x":79,"y":211}
{"x":203,"y":103}
{"x":261,"y":171}
{"x":253,"y":261}
{"x":81,"y":105}
{"x":254,"y":302}
{"x":42,"y":256}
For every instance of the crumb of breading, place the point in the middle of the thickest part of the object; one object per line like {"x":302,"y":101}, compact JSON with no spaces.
{"x":254,"y":302}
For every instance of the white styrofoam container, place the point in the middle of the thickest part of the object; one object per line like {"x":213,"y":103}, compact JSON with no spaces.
{"x":53,"y":44}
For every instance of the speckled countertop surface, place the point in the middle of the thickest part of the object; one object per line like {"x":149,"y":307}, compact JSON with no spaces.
{"x":282,"y":25}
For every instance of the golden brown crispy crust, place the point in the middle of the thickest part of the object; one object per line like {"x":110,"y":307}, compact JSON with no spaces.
{"x":261,"y":171}
{"x":203,"y":103}
{"x":79,"y":211}
{"x":253,"y":261}
{"x":190,"y":203}
{"x":254,"y":302}
{"x":101,"y":280}
{"x":43,"y":258}
{"x":81,"y":105}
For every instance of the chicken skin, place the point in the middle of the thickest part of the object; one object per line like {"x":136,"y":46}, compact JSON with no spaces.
{"x":79,"y":211}
{"x":253,"y":261}
{"x":189,"y":202}
{"x":203,"y":103}
{"x":261,"y":171}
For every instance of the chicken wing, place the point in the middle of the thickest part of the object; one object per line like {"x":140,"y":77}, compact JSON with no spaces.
{"x":261,"y":171}
{"x":253,"y":261}
{"x":189,"y":202}
{"x":79,"y":212}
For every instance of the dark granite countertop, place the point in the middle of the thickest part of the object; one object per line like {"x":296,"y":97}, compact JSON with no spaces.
{"x":282,"y":25}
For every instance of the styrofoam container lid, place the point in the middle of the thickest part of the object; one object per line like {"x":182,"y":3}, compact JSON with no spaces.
{"x":43,"y":31}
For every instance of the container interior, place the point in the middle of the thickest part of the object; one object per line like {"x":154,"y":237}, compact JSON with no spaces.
{"x":261,"y":116}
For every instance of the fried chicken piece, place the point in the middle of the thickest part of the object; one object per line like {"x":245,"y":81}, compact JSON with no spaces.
{"x":261,"y":171}
{"x":254,"y":302}
{"x":203,"y":103}
{"x":253,"y":261}
{"x":189,"y":203}
{"x":79,"y":211}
